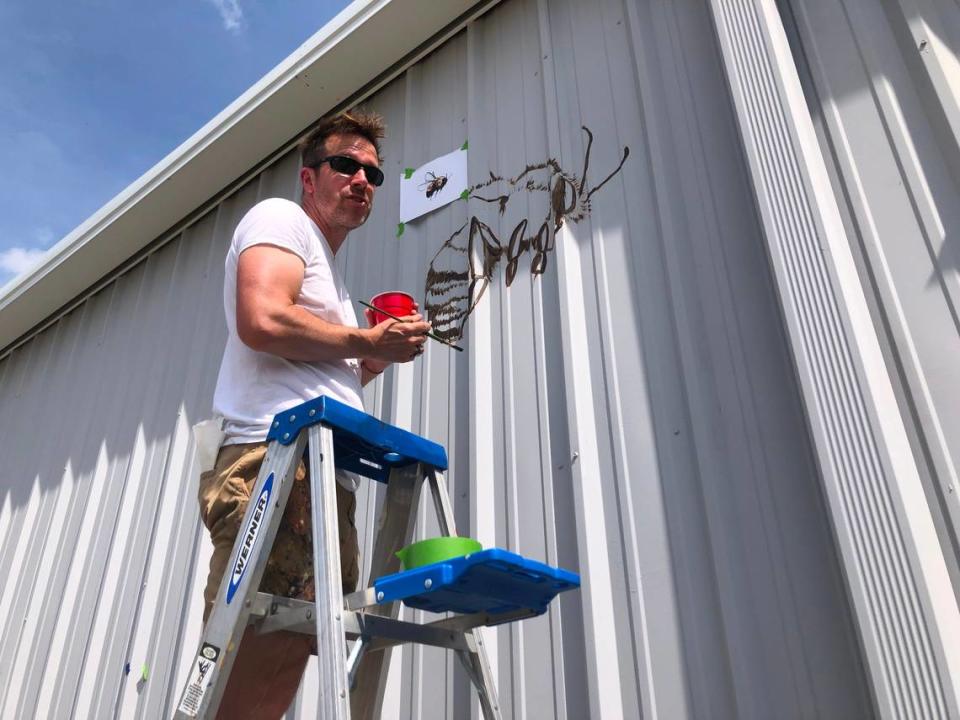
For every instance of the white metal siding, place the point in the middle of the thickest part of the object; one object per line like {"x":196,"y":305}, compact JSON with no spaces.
{"x":906,"y":612}
{"x":631,"y":414}
{"x":884,"y":87}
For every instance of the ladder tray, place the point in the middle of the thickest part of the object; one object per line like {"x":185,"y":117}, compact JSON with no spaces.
{"x":493,"y":581}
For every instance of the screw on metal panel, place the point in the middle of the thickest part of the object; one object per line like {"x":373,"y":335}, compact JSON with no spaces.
{"x":343,"y":693}
{"x":286,"y":436}
{"x":923,"y":45}
{"x":309,"y":614}
{"x":574,"y":457}
{"x":380,"y":595}
{"x":337,"y":616}
{"x":292,"y":418}
{"x":276,"y":423}
{"x":246,"y":603}
{"x":428,"y":583}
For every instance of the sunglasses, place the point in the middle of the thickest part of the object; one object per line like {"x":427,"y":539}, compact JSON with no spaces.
{"x":348,"y":166}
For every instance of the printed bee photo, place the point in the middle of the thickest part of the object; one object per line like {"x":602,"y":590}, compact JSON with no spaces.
{"x":432,"y":183}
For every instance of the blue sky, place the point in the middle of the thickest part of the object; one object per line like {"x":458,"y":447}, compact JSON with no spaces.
{"x":94,"y":92}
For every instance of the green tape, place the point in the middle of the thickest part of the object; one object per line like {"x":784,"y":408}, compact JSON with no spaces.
{"x":408,"y":173}
{"x":143,"y":672}
{"x":465,"y":194}
{"x":399,"y":229}
{"x":464,"y":146}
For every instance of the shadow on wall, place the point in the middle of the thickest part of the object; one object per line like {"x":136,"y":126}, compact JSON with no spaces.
{"x":104,"y":390}
{"x":880,"y":80}
{"x":948,"y":260}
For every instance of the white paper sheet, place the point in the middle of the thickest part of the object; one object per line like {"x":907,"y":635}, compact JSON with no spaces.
{"x":433,"y":185}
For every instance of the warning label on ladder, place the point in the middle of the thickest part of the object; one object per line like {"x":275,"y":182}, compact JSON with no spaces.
{"x":201,"y":678}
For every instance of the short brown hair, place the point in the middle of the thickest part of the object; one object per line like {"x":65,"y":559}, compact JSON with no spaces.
{"x":368,"y":125}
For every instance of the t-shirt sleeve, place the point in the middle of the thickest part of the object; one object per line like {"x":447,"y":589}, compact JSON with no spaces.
{"x":274,"y":222}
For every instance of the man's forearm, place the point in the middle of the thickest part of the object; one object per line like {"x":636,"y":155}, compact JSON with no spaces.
{"x":297,"y":334}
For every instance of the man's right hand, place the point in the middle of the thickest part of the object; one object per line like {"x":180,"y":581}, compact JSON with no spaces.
{"x":394,"y":341}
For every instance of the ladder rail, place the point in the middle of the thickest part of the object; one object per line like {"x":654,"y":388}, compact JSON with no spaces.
{"x":441,"y":502}
{"x":210,"y":668}
{"x":474,"y":660}
{"x":331,"y":653}
{"x":395,"y":527}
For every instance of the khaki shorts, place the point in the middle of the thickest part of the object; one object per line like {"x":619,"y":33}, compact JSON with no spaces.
{"x":224,"y":494}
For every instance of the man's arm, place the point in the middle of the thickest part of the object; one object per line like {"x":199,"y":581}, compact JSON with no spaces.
{"x":269,"y":320}
{"x":367,"y":375}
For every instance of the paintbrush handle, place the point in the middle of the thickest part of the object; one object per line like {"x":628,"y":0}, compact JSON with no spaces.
{"x":399,"y":319}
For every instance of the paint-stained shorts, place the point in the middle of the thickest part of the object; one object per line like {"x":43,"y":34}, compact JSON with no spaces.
{"x":224,"y":494}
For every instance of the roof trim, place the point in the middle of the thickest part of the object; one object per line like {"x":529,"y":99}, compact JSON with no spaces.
{"x":319,"y":76}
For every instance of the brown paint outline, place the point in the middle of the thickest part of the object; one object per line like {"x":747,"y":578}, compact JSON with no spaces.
{"x":569,"y":201}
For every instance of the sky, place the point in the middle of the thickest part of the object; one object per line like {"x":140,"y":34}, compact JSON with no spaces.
{"x":93,"y":93}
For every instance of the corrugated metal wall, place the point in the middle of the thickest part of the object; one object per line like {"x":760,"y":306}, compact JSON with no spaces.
{"x":883,"y":84}
{"x":631,"y":414}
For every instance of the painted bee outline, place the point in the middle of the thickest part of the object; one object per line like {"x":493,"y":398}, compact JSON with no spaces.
{"x":569,"y":200}
{"x":432,"y":183}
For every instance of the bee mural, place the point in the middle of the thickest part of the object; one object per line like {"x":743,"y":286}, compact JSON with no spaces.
{"x":462,"y":268}
{"x":433,"y":183}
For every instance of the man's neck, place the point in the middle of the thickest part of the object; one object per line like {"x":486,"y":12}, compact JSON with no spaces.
{"x":334,"y":238}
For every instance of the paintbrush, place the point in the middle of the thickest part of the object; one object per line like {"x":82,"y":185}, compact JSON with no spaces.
{"x":394,"y":317}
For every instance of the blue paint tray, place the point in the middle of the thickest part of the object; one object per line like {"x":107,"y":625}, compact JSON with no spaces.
{"x":494,"y":581}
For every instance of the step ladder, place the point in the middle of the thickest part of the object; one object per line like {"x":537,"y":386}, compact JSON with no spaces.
{"x":487,"y":588}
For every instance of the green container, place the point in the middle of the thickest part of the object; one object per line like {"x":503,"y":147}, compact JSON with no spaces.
{"x":433,"y":550}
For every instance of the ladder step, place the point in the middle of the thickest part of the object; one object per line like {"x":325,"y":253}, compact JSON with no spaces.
{"x":491,"y":581}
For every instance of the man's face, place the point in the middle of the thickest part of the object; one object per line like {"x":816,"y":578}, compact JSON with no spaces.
{"x":341,"y":202}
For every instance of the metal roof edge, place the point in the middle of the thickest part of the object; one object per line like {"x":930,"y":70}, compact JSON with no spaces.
{"x":362,"y":42}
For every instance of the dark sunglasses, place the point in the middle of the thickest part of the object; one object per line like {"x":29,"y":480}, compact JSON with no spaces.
{"x":348,"y":166}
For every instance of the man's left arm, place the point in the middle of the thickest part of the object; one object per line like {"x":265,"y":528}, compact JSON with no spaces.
{"x":370,"y":370}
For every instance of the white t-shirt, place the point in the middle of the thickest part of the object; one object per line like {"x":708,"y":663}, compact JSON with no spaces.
{"x":254,"y":386}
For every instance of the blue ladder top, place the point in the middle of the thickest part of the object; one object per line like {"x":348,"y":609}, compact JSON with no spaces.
{"x":361,"y":443}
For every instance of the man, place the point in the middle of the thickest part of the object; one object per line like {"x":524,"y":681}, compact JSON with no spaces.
{"x":293,"y":336}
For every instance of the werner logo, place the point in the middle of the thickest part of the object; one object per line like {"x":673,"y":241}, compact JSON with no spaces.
{"x":249,"y":536}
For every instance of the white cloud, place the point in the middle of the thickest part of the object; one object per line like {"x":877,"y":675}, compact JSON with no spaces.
{"x":17,"y":260}
{"x":43,"y":236}
{"x":230,"y":12}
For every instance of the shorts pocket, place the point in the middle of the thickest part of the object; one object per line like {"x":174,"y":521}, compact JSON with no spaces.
{"x":225,"y":493}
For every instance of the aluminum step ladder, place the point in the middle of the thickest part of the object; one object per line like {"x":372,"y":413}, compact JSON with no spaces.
{"x":491,"y":587}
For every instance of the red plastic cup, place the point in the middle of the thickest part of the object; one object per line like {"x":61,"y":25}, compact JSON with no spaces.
{"x":394,"y":302}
